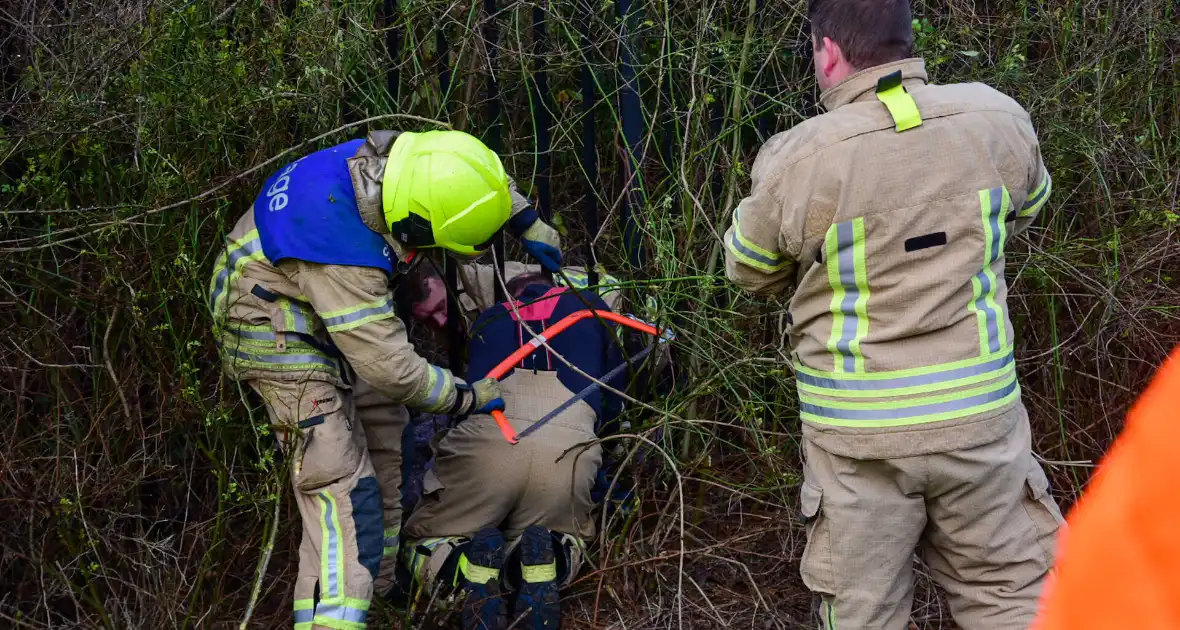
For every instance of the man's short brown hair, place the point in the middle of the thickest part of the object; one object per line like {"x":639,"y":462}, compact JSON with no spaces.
{"x":870,"y":32}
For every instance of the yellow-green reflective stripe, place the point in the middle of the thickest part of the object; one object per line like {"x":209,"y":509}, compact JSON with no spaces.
{"x":359,"y":315}
{"x":900,"y":104}
{"x":847,"y":275}
{"x":832,"y":256}
{"x":332,"y":551}
{"x":581,"y":279}
{"x":972,"y":378}
{"x":749,"y":253}
{"x":535,"y":573}
{"x":392,"y":536}
{"x":339,"y":624}
{"x":902,"y":416}
{"x":437,"y":389}
{"x":350,"y":610}
{"x":283,"y":361}
{"x":861,"y":305}
{"x":391,"y":541}
{"x":304,"y":611}
{"x":302,"y":625}
{"x":296,"y":315}
{"x":993,"y":329}
{"x":229,"y":267}
{"x":475,"y":573}
{"x":1038,"y":197}
{"x":921,"y":371}
{"x":921,"y":401}
{"x":933,"y":417}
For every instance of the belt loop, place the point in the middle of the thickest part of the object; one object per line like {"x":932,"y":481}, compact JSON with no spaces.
{"x":280,"y":341}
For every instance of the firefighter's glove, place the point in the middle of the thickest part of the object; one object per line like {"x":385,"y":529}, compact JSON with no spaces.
{"x":543,"y":243}
{"x":483,"y":396}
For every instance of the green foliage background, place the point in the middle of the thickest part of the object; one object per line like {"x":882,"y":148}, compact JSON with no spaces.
{"x":138,"y":489}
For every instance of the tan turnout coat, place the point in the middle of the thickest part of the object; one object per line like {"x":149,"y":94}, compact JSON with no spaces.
{"x":894,"y":244}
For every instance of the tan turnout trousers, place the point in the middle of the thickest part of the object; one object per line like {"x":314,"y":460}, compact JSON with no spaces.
{"x":981,"y":517}
{"x":346,"y":473}
{"x":480,"y":480}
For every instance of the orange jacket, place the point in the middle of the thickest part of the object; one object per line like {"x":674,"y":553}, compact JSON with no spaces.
{"x":1119,"y":565}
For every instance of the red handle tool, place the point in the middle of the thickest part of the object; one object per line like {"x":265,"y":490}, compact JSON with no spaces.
{"x":551,"y":332}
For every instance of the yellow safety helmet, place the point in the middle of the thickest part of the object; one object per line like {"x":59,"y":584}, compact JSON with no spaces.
{"x":444,"y":189}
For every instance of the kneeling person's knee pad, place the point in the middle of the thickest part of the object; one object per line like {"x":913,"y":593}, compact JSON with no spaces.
{"x":569,"y":551}
{"x":432,"y":561}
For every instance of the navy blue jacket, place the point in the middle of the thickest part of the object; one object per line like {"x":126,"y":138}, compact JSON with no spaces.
{"x":588,"y":344}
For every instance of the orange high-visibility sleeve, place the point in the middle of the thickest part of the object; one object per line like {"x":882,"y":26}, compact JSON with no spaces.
{"x":1119,"y":563}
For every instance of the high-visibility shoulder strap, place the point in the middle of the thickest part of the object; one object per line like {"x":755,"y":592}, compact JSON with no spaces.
{"x":901,"y":105}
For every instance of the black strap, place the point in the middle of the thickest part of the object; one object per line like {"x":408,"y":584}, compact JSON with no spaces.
{"x":311,"y":422}
{"x":889,"y":81}
{"x":263,"y":293}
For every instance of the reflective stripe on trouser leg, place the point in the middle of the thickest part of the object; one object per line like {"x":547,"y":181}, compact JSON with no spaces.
{"x":338,"y":500}
{"x":827,"y":613}
{"x":848,"y":277}
{"x":391,"y":542}
{"x":331,"y":549}
{"x":304,"y":612}
{"x":350,"y":552}
{"x":993,"y":330}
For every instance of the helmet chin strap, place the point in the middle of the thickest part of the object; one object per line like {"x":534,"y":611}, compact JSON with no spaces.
{"x":407,"y":258}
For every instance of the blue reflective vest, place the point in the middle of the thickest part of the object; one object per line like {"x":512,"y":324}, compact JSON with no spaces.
{"x":307,"y":211}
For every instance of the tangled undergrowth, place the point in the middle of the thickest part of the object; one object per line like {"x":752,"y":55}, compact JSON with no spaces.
{"x":138,"y":489}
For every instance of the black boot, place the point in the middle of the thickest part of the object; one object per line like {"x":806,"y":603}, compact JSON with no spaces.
{"x":479,"y":571}
{"x":538,"y":601}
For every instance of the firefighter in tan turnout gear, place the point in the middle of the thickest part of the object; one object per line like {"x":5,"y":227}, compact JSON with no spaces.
{"x":889,"y":215}
{"x":303,"y":312}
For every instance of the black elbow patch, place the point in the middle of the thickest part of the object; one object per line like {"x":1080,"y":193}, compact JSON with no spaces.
{"x":926,"y":241}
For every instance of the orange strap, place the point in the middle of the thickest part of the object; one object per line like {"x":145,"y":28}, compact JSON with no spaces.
{"x":536,"y":342}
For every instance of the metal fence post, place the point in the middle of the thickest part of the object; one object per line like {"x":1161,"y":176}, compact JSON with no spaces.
{"x":543,"y":118}
{"x":589,"y":142}
{"x":631,"y":112}
{"x":393,"y":47}
{"x":491,"y":36}
{"x":456,"y":335}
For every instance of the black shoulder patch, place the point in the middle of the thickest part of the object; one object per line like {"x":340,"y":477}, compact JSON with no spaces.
{"x":936,"y":239}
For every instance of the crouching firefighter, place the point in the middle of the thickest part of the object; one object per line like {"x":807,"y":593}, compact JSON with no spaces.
{"x":303,"y":312}
{"x":506,"y":523}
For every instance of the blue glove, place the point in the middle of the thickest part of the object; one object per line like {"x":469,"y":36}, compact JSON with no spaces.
{"x":543,"y":243}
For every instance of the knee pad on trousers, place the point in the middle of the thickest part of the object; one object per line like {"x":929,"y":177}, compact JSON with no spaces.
{"x":366,"y":516}
{"x":569,"y":551}
{"x":433,"y":562}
